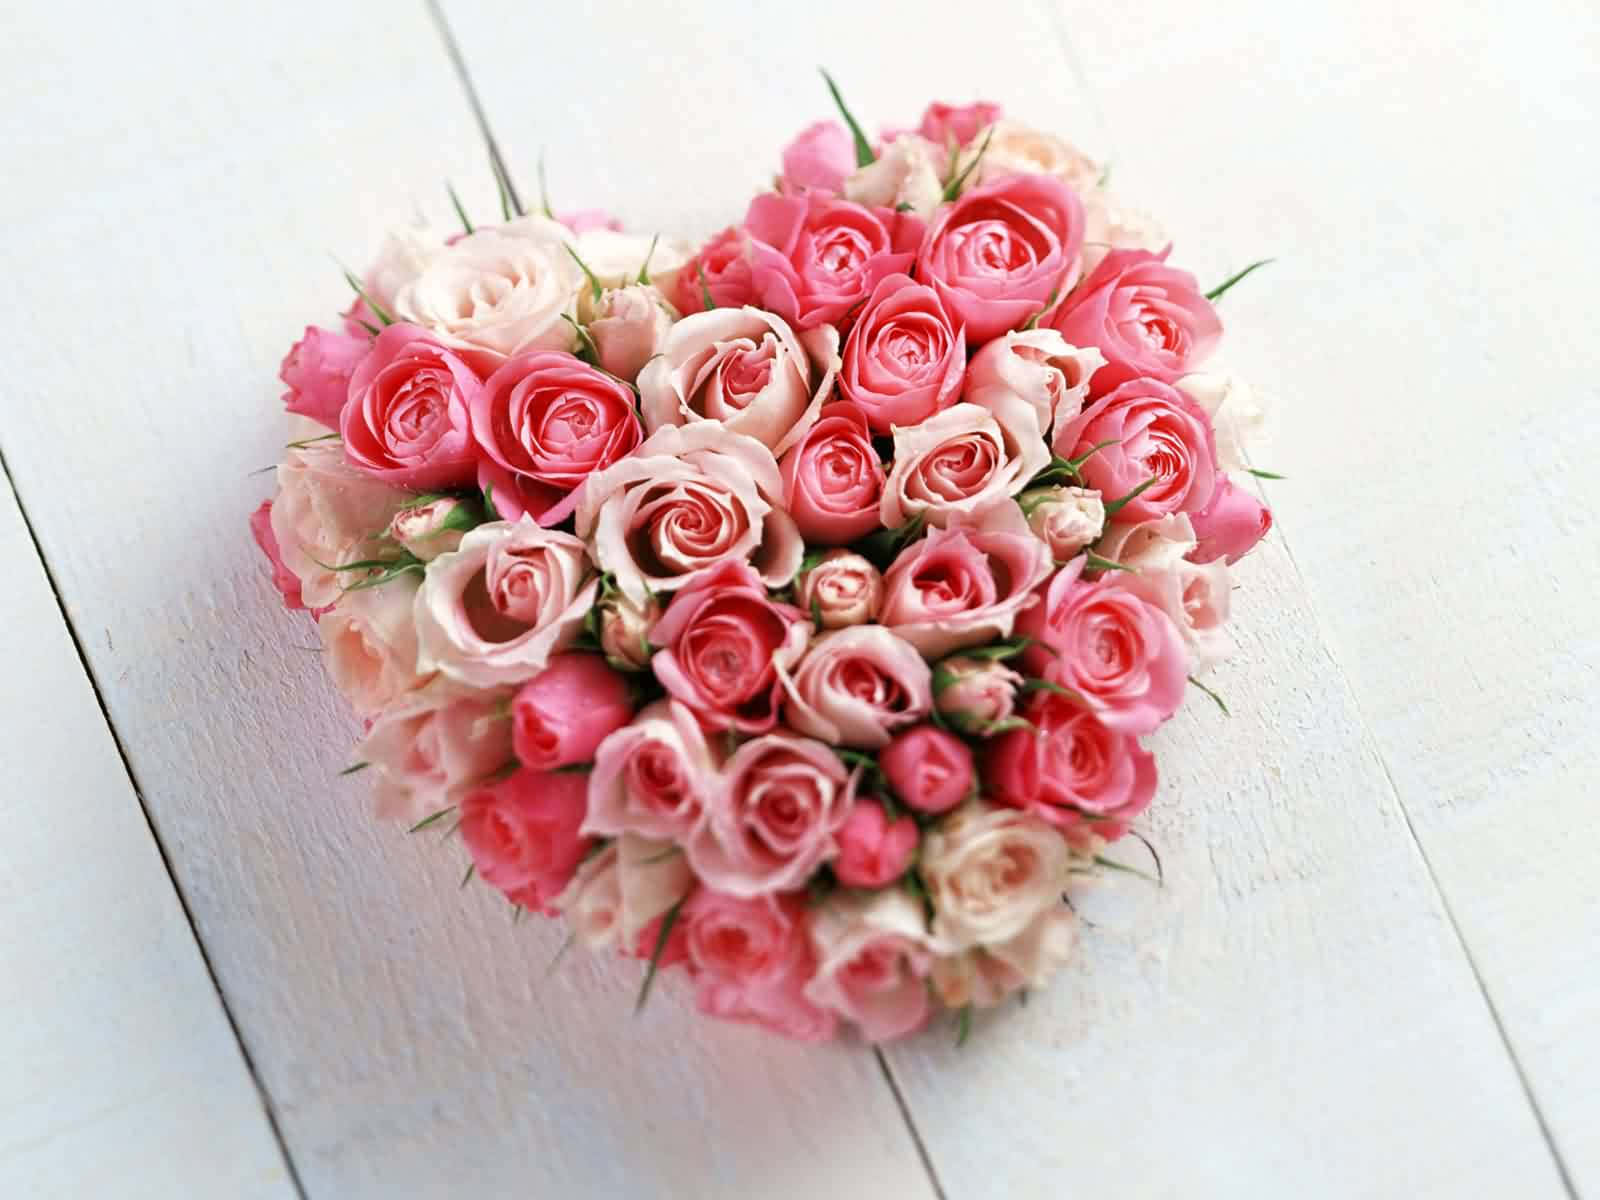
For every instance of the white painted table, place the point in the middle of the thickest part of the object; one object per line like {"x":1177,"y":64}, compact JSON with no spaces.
{"x":1373,"y":971}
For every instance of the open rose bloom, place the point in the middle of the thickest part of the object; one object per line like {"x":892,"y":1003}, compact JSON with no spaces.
{"x":796,"y":613}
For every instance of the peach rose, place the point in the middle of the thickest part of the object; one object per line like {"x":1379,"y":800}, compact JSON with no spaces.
{"x":654,"y":776}
{"x":1151,"y":543}
{"x":989,"y":872}
{"x":872,"y":959}
{"x":962,"y":462}
{"x":617,"y":893}
{"x":1064,"y":518}
{"x":986,"y":975}
{"x":370,"y":644}
{"x":430,"y":750}
{"x":625,"y":631}
{"x":1015,"y":149}
{"x":856,"y":687}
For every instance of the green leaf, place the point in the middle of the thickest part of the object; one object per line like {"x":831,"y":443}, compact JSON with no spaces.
{"x":354,"y":767}
{"x":472,"y":869}
{"x":963,"y":1024}
{"x":1265,"y":474}
{"x":304,"y":442}
{"x":1212,"y":694}
{"x":705,"y":288}
{"x":488,"y":504}
{"x":1096,"y":563}
{"x":1112,"y":864}
{"x":1000,"y":651}
{"x":508,"y":202}
{"x":392,"y":573}
{"x":586,"y":344}
{"x":1074,"y":464}
{"x":431,"y":819}
{"x":455,"y":201}
{"x":667,"y":922}
{"x":644,"y":271}
{"x":953,"y":188}
{"x":863,"y":147}
{"x":1113,"y":507}
{"x":544,"y":190}
{"x":1216,"y":293}
{"x":594,"y":284}
{"x":377,"y":309}
{"x":943,"y":678}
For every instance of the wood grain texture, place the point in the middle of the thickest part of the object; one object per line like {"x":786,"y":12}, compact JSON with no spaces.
{"x":119,"y":1074}
{"x":185,"y":207}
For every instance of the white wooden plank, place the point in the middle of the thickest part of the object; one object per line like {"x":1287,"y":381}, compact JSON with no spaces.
{"x":1425,"y":177}
{"x":183,"y":176}
{"x":120,"y":1073}
{"x":1294,"y":1012}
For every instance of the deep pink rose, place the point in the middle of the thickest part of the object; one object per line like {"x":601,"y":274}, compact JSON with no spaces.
{"x":1147,"y":318}
{"x":1080,"y":775}
{"x":545,"y":422}
{"x":929,"y":769}
{"x":957,"y":124}
{"x":522,"y":833}
{"x":586,"y":220}
{"x":872,"y":962}
{"x":856,"y":686}
{"x":317,"y":372}
{"x":285,"y":580}
{"x":565,"y":711}
{"x":1230,"y":525}
{"x":832,"y":479}
{"x":904,"y":358}
{"x":873,"y":850}
{"x":1119,"y":653}
{"x":820,"y":157}
{"x":406,"y":421}
{"x":723,"y":642}
{"x":720,"y":267}
{"x":653,"y":777}
{"x":751,"y":959}
{"x":1004,"y":253}
{"x":814,"y":257}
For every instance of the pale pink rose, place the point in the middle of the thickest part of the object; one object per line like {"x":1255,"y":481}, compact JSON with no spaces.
{"x":544,"y":423}
{"x":616,"y":260}
{"x":989,"y":872}
{"x":317,"y":373}
{"x":522,"y":833}
{"x":986,"y":975}
{"x":1121,"y":655}
{"x":929,"y":769}
{"x":625,"y":631}
{"x":741,"y":368}
{"x":493,"y":612}
{"x":774,"y":819}
{"x":819,"y":157}
{"x":962,"y":462}
{"x":724,"y":646}
{"x":1150,"y":544}
{"x":592,"y":901}
{"x":1230,"y":524}
{"x":1149,"y":320}
{"x":1196,"y":598}
{"x":957,"y":124}
{"x":905,"y":177}
{"x":814,"y":257}
{"x":618,"y":893}
{"x":689,"y":499}
{"x":405,"y":253}
{"x":1066,"y":519}
{"x":1004,"y":253}
{"x":962,"y":587}
{"x":565,"y":711}
{"x":629,"y":328}
{"x":720,"y":269}
{"x":1084,"y":778}
{"x":437,"y":527}
{"x":369,"y":643}
{"x":872,"y":958}
{"x":407,"y":417}
{"x":751,"y":959}
{"x":586,"y":220}
{"x":1238,"y":414}
{"x":1145,"y":430}
{"x":975,"y":694}
{"x":653,"y":777}
{"x":832,"y":478}
{"x":1111,"y":225}
{"x":1039,"y":366}
{"x":285,"y":580}
{"x":1015,"y":149}
{"x":430,"y":750}
{"x":856,"y":687}
{"x":904,"y":358}
{"x":843,"y":589}
{"x":873,"y":850}
{"x":328,"y":513}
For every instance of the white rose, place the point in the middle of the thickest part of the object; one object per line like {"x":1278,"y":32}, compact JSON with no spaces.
{"x":962,"y":461}
{"x":629,"y":328}
{"x":1039,"y":366}
{"x":1238,"y":413}
{"x":1064,"y":518}
{"x":1158,"y":544}
{"x":904,"y":175}
{"x":986,"y":975}
{"x":989,"y":873}
{"x":370,"y":642}
{"x":406,"y":252}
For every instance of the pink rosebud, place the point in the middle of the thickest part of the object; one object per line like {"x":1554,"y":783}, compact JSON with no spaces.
{"x":975,"y":694}
{"x":873,"y":850}
{"x":820,"y":157}
{"x":625,"y":631}
{"x":566,"y":710}
{"x":317,"y":373}
{"x":285,"y":580}
{"x":1230,"y":525}
{"x":429,"y":530}
{"x":833,"y":479}
{"x":406,"y":421}
{"x":842,"y":589}
{"x":586,"y":220}
{"x":957,"y":124}
{"x":929,"y":769}
{"x":1064,"y":518}
{"x":905,"y":356}
{"x":629,"y":328}
{"x":522,"y":833}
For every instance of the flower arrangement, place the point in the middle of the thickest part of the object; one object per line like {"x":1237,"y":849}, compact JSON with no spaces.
{"x":788,"y":610}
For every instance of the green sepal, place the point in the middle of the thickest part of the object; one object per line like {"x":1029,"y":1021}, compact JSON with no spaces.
{"x":377,"y":309}
{"x":705,"y":288}
{"x":354,"y":767}
{"x":431,"y":819}
{"x":472,"y":869}
{"x":594,"y":284}
{"x":1265,"y":474}
{"x":304,"y":442}
{"x":953,"y":188}
{"x":644,"y":271}
{"x":1096,"y":563}
{"x":963,"y":1024}
{"x":863,"y":147}
{"x":1113,"y":507}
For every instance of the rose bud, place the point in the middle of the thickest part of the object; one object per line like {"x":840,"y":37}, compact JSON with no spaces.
{"x":628,"y":329}
{"x":317,"y":373}
{"x":842,"y":589}
{"x":1065,"y":518}
{"x":929,"y":769}
{"x":625,"y":631}
{"x":975,"y":694}
{"x":565,"y":711}
{"x":1230,"y":524}
{"x":819,"y":157}
{"x":873,"y":850}
{"x":429,"y":530}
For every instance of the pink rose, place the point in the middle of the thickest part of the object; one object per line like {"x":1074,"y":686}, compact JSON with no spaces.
{"x":903,"y":360}
{"x":962,"y":462}
{"x":872,"y":958}
{"x":629,"y":328}
{"x":815,"y":256}
{"x":493,"y":612}
{"x":721,"y":268}
{"x":545,"y":423}
{"x":406,"y":421}
{"x":1154,"y":432}
{"x":317,"y":373}
{"x":819,"y":157}
{"x":1119,"y":653}
{"x":522,"y":833}
{"x":975,"y":694}
{"x":1004,"y":253}
{"x":625,"y":631}
{"x":428,"y":751}
{"x":723,"y":645}
{"x":957,"y":124}
{"x":1038,"y":366}
{"x":1066,"y":519}
{"x":285,"y":580}
{"x":832,"y":479}
{"x":963,"y":587}
{"x":1086,"y":779}
{"x":689,"y":499}
{"x":929,"y":769}
{"x":843,"y":589}
{"x":653,"y":777}
{"x":1147,"y":318}
{"x":856,"y":686}
{"x":565,"y":711}
{"x":1151,"y":543}
{"x":1195,"y":597}
{"x":741,"y":368}
{"x":751,"y":959}
{"x":1230,"y":524}
{"x":989,"y":873}
{"x":587,"y":220}
{"x":369,"y":644}
{"x":873,"y":850}
{"x":773,"y":821}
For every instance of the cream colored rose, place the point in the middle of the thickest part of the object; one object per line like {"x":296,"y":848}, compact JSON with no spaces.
{"x":629,"y":328}
{"x":962,"y":461}
{"x":405,"y":253}
{"x":616,"y":259}
{"x":1064,"y":518}
{"x":989,"y":873}
{"x":1015,"y":149}
{"x":904,"y":176}
{"x":1196,"y":597}
{"x":1238,"y":413}
{"x":1158,"y":544}
{"x":369,"y":642}
{"x":1108,"y":225}
{"x":617,"y":893}
{"x":1039,"y":366}
{"x":986,"y":975}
